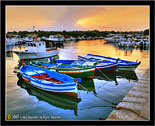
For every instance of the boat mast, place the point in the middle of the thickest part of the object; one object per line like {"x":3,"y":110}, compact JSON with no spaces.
{"x":33,"y":28}
{"x":34,"y":36}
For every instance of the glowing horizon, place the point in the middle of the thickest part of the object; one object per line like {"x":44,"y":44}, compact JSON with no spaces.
{"x":69,"y":18}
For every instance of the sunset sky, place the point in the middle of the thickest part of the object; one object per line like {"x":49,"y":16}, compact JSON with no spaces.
{"x":58,"y":18}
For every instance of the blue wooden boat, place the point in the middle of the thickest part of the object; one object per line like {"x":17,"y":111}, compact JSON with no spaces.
{"x":57,"y":100}
{"x":122,"y":64}
{"x":50,"y":81}
{"x":106,"y":67}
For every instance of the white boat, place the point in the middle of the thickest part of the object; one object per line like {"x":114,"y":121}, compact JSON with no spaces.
{"x":36,"y":50}
{"x":8,"y":42}
{"x":127,"y":43}
{"x":54,"y":38}
{"x":115,"y":39}
{"x":13,"y":41}
{"x":28,"y":39}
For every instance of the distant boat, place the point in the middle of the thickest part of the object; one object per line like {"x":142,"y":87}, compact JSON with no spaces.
{"x":54,"y":38}
{"x":50,"y":81}
{"x":15,"y":40}
{"x":106,"y":67}
{"x":9,"y":42}
{"x":28,"y":38}
{"x":114,"y":39}
{"x":138,"y":43}
{"x":36,"y":50}
{"x":126,"y":44}
{"x":71,"y":70}
{"x":122,"y":64}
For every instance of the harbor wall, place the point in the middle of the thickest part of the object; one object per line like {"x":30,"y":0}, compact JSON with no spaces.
{"x":135,"y":106}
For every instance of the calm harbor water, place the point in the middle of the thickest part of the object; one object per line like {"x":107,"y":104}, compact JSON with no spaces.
{"x":24,"y":102}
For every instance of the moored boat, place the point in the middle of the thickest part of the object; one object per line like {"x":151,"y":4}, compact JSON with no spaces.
{"x":106,"y":67}
{"x":50,"y":81}
{"x":122,"y":64}
{"x":58,"y":100}
{"x":114,"y":39}
{"x":36,"y":50}
{"x":54,"y":38}
{"x":71,"y":70}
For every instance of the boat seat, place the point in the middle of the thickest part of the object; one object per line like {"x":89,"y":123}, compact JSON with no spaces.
{"x":47,"y":78}
{"x":56,"y":81}
{"x":40,"y":76}
{"x":59,"y":82}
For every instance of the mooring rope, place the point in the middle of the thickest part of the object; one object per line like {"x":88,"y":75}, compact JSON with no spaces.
{"x":97,"y":106}
{"x":104,"y":75}
{"x":97,"y":96}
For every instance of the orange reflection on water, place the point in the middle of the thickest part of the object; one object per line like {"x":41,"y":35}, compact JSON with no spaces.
{"x":99,"y":47}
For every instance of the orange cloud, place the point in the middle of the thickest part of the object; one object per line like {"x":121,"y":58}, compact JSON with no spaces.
{"x":25,"y":17}
{"x":123,"y":18}
{"x":118,"y":18}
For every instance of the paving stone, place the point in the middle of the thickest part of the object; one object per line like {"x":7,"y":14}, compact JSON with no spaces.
{"x":124,"y":115}
{"x":143,"y":82}
{"x":133,"y":106}
{"x":141,"y":86}
{"x":145,"y":90}
{"x":137,"y":94}
{"x":134,"y":99}
{"x":146,"y":108}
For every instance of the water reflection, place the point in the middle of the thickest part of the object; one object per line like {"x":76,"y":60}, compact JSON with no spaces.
{"x":9,"y":54}
{"x":127,"y":48}
{"x":102,"y":86}
{"x":87,"y":84}
{"x":8,"y":51}
{"x":59,"y":45}
{"x":108,"y":76}
{"x":54,"y":99}
{"x":129,"y":75}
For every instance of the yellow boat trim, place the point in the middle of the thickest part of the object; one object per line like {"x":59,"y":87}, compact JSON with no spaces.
{"x":75,"y":72}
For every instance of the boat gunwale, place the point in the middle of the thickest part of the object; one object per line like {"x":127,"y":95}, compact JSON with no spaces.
{"x":114,"y":59}
{"x":63,"y":67}
{"x":71,"y":80}
{"x":123,"y":63}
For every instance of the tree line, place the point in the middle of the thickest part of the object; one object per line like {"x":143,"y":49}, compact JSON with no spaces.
{"x":89,"y":33}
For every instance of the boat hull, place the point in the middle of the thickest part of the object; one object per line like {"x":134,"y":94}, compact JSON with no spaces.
{"x":35,"y":55}
{"x":108,"y":68}
{"x":69,"y":91}
{"x":70,"y":94}
{"x":111,"y":40}
{"x":122,"y":64}
{"x":54,"y":99}
{"x":66,"y":88}
{"x":127,"y":67}
{"x":77,"y":73}
{"x":81,"y":73}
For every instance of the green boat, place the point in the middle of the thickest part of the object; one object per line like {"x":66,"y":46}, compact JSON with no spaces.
{"x":75,"y":71}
